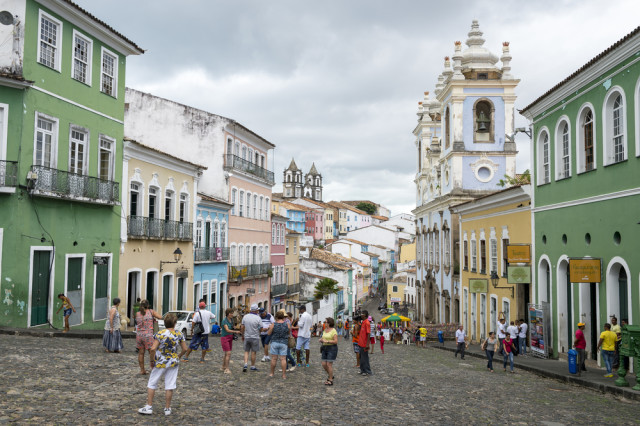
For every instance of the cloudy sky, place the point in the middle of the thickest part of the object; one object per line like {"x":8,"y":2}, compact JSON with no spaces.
{"x":337,"y":82}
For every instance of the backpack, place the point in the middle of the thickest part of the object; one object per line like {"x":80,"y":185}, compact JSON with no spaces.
{"x":339,"y":324}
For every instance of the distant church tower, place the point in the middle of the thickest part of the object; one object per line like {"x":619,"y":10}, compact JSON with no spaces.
{"x":313,"y":184}
{"x":292,"y":184}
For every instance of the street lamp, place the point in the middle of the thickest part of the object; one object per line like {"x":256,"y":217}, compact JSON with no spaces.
{"x":177,"y":255}
{"x":495,"y":279}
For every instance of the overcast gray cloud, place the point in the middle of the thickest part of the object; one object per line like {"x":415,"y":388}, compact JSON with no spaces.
{"x":337,"y":82}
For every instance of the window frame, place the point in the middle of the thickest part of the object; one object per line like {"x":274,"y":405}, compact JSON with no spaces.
{"x":543,"y":143}
{"x":54,"y":132}
{"x":581,"y":139}
{"x":563,"y":159}
{"x":104,"y":51}
{"x":57,"y":56}
{"x":86,"y":143}
{"x":89,"y":62}
{"x":474,"y":255}
{"x":112,"y":156}
{"x":609,"y":126}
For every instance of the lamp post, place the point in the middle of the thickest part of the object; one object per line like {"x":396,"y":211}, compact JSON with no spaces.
{"x":177,"y":255}
{"x":495,"y":279}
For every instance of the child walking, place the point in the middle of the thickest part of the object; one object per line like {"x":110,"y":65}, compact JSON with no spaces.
{"x":165,"y":361}
{"x":68,"y":308}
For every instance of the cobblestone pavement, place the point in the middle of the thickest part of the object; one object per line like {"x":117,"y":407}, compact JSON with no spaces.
{"x":59,"y":380}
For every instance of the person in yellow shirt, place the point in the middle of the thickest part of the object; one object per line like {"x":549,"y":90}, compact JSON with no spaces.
{"x":423,"y":336}
{"x":607,"y":346}
{"x":615,"y":327}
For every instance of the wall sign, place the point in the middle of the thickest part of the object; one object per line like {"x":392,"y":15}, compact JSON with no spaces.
{"x":585,"y":270}
{"x":478,"y":285}
{"x":518,"y":274}
{"x":519,"y":253}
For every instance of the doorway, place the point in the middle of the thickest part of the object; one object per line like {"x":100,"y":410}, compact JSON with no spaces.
{"x":151,"y":286}
{"x":483,"y":316}
{"x":75,"y":285}
{"x":166,"y":293}
{"x":133,"y":280}
{"x":40,"y":285}
{"x":101,"y":301}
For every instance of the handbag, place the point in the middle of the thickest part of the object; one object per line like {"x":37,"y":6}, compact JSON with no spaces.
{"x":199,"y":327}
{"x":292,"y":342}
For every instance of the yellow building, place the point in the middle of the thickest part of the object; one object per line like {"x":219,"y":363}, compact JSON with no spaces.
{"x":408,"y":252}
{"x":487,"y":226}
{"x":395,"y":291}
{"x":292,"y":265}
{"x":158,"y":207}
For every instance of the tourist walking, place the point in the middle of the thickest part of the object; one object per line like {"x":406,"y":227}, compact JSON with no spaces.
{"x":423,"y":336}
{"x":382,"y":331}
{"x":329,"y":349}
{"x":607,"y":346}
{"x":502,"y":332}
{"x":490,"y":346}
{"x":265,"y":338}
{"x":339,"y":326}
{"x":204,"y":317}
{"x":364,"y":342}
{"x":347,"y":328}
{"x":461,"y":340}
{"x":226,"y":340}
{"x":512,"y":331}
{"x":372,"y":333}
{"x":580,"y":344}
{"x":508,"y":347}
{"x":522,"y":337}
{"x":165,"y":361}
{"x":144,"y":332}
{"x":355,"y":335}
{"x":279,"y":340}
{"x":112,"y":340}
{"x":68,"y":308}
{"x":290,"y":360}
{"x":304,"y":334}
{"x":250,"y":328}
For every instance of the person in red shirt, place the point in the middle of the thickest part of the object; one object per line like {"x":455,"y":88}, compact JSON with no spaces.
{"x":363,"y":343}
{"x":580,"y":344}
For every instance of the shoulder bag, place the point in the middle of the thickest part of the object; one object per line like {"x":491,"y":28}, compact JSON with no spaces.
{"x":198,"y":328}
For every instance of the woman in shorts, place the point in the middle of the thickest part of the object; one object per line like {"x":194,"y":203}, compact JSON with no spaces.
{"x":329,"y":349}
{"x":144,"y":331}
{"x":279,"y":332}
{"x":226,"y":340}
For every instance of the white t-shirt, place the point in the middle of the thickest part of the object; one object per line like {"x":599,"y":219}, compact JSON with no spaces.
{"x":304,"y":325}
{"x":501,"y":334}
{"x":460,"y":335}
{"x":513,"y":331}
{"x":266,"y":323}
{"x":206,"y":317}
{"x":523,"y":330}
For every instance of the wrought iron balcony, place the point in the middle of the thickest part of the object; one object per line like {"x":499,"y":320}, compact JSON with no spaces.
{"x":48,"y":182}
{"x":8,"y":173}
{"x":247,"y":271}
{"x":293,"y":288}
{"x":143,"y":227}
{"x":210,"y":254}
{"x":278,"y":290}
{"x":340,"y":306}
{"x":233,"y":162}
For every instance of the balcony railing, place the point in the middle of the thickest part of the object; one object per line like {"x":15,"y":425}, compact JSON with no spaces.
{"x":375,"y":270}
{"x":210,"y":254}
{"x":56,"y":183}
{"x":143,"y":227}
{"x":233,"y":162}
{"x":246,"y":271}
{"x":8,"y":173}
{"x":293,"y":288}
{"x":278,"y":290}
{"x":340,"y":306}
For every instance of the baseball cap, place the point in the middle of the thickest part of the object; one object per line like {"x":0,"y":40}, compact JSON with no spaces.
{"x":254,"y":307}
{"x":202,"y":305}
{"x":261,"y":310}
{"x":581,"y":324}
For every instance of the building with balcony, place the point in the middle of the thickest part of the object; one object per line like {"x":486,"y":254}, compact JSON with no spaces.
{"x":296,"y":216}
{"x":211,"y":253}
{"x":292,"y":265}
{"x":159,"y":200}
{"x":62,"y":82}
{"x":278,"y":283}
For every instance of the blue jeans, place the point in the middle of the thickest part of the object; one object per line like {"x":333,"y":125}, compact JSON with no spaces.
{"x":290,"y":358}
{"x":522,"y":345}
{"x":608,"y":359}
{"x":489,"y":359}
{"x":508,"y":356}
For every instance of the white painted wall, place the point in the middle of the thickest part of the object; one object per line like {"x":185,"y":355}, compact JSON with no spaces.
{"x":12,"y":51}
{"x":375,"y":235}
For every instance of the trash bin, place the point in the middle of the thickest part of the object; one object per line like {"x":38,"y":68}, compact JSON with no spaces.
{"x":441,"y":336}
{"x":572,"y":356}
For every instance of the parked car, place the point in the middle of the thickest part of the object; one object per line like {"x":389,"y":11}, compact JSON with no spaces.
{"x":382,"y":306}
{"x":183,"y":324}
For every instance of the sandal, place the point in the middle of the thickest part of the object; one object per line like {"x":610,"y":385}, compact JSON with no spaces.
{"x":328,"y":382}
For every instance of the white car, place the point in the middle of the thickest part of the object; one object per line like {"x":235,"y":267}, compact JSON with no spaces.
{"x":183,"y":324}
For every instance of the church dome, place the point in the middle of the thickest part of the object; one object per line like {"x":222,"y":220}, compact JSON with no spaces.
{"x":476,"y":56}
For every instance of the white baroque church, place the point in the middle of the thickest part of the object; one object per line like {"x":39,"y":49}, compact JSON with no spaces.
{"x":464,"y":143}
{"x":293,"y":186}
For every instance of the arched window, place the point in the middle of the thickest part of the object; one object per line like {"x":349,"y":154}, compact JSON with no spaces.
{"x":273,"y":233}
{"x":244,"y":153}
{"x":216,"y":233}
{"x":447,"y":129}
{"x":563,"y":150}
{"x":586,"y":153}
{"x":255,"y":207}
{"x":483,"y":131}
{"x":241,"y":207}
{"x":544,"y":166}
{"x":240,"y":255}
{"x":249,"y":259}
{"x":614,"y":128}
{"x":223,"y":234}
{"x":234,"y":195}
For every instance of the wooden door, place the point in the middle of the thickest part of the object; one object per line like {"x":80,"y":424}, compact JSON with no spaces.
{"x":40,"y":287}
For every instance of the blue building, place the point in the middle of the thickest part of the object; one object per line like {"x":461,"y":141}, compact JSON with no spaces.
{"x":296,"y":218}
{"x":211,"y":254}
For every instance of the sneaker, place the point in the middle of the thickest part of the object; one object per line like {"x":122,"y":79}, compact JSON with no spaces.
{"x":608,"y":375}
{"x":244,"y":369}
{"x":264,"y":359}
{"x":364,"y":374}
{"x":268,"y":358}
{"x":167,"y":411}
{"x":185,"y":359}
{"x":253,"y":368}
{"x":292,"y":368}
{"x":299,"y":365}
{"x":147,"y":409}
{"x":307,"y":365}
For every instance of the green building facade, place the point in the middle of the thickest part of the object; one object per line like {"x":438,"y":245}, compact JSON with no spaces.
{"x":586,"y":198}
{"x":61,"y":109}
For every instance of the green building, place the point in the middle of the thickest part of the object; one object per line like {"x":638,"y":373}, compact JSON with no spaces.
{"x":62,"y":84}
{"x":586,"y":198}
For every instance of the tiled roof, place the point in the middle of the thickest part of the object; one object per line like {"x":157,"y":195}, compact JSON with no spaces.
{"x":411,"y":271}
{"x":382,"y":218}
{"x":356,"y":241}
{"x":291,"y":206}
{"x":583,"y":68}
{"x":277,"y":216}
{"x":341,"y":205}
{"x":206,"y":197}
{"x":382,"y":247}
{"x":371,"y":254}
{"x":332,"y":259}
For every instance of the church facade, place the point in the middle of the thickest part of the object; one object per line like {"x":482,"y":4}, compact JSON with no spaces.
{"x":294,"y":186}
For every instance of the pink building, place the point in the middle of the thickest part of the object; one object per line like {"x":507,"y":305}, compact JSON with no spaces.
{"x":314,"y":224}
{"x":278,"y":284}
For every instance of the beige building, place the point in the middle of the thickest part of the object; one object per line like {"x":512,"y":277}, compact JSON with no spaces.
{"x":292,"y":265}
{"x":158,"y":199}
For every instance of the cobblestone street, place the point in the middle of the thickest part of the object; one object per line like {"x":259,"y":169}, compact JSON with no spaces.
{"x":61,"y":380}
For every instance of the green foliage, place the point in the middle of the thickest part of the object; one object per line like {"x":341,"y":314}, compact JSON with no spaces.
{"x":367,"y":207}
{"x":522,"y":179}
{"x":325,"y":287}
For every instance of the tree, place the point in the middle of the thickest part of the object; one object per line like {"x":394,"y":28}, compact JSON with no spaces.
{"x":367,"y":207}
{"x":325,"y":287}
{"x":519,"y":179}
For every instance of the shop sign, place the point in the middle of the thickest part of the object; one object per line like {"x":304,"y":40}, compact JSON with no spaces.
{"x":396,"y":299}
{"x":478,"y":285}
{"x":585,"y":270}
{"x":519,"y":253}
{"x":518,"y":274}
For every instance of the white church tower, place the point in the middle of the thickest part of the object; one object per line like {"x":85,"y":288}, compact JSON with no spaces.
{"x":464,"y":149}
{"x":292,"y":185}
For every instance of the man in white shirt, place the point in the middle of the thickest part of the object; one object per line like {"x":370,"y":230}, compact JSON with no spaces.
{"x":501,"y":333}
{"x":512,"y":329}
{"x":304,"y":334}
{"x":267,"y":320}
{"x":522,"y":337}
{"x":461,"y":340}
{"x":201,"y":339}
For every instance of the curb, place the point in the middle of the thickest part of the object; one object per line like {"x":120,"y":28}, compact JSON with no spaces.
{"x":615,"y":390}
{"x":80,"y":334}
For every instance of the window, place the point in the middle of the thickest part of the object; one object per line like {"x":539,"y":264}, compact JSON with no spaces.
{"x":260,"y":208}
{"x":286,"y":276}
{"x":483,"y":257}
{"x":78,"y":151}
{"x":81,"y":66}
{"x":46,"y":138}
{"x":134,"y":193}
{"x":614,"y":136}
{"x":286,"y":247}
{"x":266,"y":209}
{"x":241,"y":208}
{"x":234,"y":193}
{"x":50,"y":41}
{"x":198,"y":242}
{"x":447,"y":128}
{"x":394,"y":288}
{"x":563,"y":151}
{"x":105,"y":158}
{"x":494,"y":255}
{"x":109,"y":73}
{"x":474,"y":251}
{"x":255,"y":207}
{"x":249,"y":259}
{"x":233,"y":257}
{"x":223,"y":234}
{"x":229,"y":146}
{"x":465,"y":264}
{"x":295,"y":246}
{"x":184,"y":213}
{"x":168,"y":205}
{"x":273,"y":233}
{"x":240,"y":255}
{"x":505,"y":263}
{"x":586,"y":151}
{"x":153,"y":203}
{"x":543,"y":158}
{"x":248,"y":204}
{"x":216,"y":234}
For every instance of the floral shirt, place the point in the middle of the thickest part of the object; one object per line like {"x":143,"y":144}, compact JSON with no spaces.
{"x":167,"y":353}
